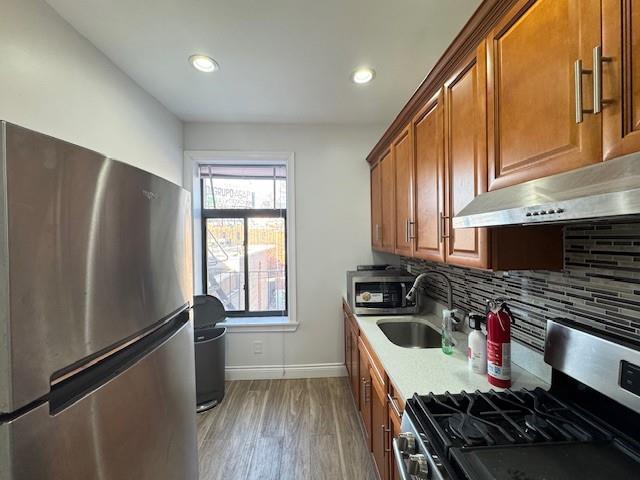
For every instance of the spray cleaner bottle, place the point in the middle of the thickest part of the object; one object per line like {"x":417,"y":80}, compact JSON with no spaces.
{"x":477,"y":345}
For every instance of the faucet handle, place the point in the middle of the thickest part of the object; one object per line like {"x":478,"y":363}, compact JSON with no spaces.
{"x":452,"y":314}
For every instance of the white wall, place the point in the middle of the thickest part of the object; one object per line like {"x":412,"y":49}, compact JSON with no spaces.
{"x":332,"y":233}
{"x":54,"y":81}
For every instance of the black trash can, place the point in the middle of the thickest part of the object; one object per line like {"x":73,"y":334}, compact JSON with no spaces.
{"x":209,"y":351}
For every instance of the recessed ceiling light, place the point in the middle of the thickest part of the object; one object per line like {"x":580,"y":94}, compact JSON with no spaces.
{"x":363,"y":75}
{"x":203,"y":63}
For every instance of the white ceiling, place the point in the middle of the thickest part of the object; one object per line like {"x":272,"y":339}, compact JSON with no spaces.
{"x":285,"y":61}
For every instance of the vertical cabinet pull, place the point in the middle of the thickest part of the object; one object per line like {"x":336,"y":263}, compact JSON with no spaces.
{"x":598,"y":60}
{"x":578,"y":71}
{"x":365,"y":384}
{"x":385,"y":431}
{"x":406,"y":230}
{"x":409,"y":231}
{"x":443,"y":227}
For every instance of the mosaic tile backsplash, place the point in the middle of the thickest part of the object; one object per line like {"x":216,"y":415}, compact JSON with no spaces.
{"x":599,"y":285}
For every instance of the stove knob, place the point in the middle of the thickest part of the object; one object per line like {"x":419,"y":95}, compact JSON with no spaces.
{"x":418,"y":466}
{"x":407,"y":443}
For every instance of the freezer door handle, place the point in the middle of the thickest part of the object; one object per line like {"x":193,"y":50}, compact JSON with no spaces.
{"x":69,"y":391}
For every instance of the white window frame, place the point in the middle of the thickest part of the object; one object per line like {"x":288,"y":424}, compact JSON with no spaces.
{"x":193,"y":160}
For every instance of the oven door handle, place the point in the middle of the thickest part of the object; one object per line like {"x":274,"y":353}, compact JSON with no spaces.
{"x":397,"y":454}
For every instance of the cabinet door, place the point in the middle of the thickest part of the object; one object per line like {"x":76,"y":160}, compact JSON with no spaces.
{"x":347,"y":344}
{"x":533,"y":131}
{"x":379,"y":431}
{"x":621,"y":77}
{"x":428,"y":139}
{"x":388,"y":204}
{"x":465,"y":158}
{"x":402,"y":151}
{"x":376,"y":207}
{"x":365,"y":395}
{"x":354,"y":374}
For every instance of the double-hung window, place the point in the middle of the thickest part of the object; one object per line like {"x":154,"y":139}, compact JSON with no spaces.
{"x":244,"y":237}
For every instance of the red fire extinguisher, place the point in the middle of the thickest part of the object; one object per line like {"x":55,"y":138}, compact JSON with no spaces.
{"x":499,"y":320}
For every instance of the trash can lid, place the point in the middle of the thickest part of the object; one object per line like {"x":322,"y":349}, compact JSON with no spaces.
{"x":207,"y":311}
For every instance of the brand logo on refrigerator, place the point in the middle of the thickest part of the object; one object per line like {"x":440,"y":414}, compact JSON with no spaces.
{"x":149,"y":195}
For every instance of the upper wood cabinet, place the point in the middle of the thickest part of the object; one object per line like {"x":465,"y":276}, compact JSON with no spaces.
{"x":388,"y":203}
{"x":376,"y":207}
{"x":551,"y":86}
{"x":428,"y":139}
{"x":531,"y":56}
{"x":465,"y":159}
{"x":402,"y":152}
{"x":620,"y":77}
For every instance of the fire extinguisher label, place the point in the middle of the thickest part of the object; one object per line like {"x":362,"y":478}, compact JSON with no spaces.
{"x":499,"y":360}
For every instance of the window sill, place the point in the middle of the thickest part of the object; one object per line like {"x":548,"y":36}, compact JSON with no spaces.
{"x":259,"y":324}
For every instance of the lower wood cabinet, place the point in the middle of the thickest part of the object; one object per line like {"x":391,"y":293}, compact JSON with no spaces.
{"x":364,"y":402}
{"x":351,"y":355}
{"x":375,"y":396}
{"x":379,"y":426}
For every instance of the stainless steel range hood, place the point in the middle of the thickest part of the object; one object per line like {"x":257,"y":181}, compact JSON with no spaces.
{"x":608,"y":189}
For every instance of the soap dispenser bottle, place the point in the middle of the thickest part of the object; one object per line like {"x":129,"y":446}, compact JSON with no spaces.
{"x":477,"y":345}
{"x":448,"y":324}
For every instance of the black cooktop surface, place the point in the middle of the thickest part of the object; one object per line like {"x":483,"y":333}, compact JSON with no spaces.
{"x":522,"y":435}
{"x":583,"y":461}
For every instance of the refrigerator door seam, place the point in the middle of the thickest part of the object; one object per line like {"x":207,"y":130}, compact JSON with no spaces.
{"x":6,"y":390}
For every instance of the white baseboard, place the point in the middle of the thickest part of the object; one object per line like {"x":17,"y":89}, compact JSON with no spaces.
{"x":269,"y":372}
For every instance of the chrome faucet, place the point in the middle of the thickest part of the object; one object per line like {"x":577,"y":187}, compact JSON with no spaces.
{"x":416,"y":285}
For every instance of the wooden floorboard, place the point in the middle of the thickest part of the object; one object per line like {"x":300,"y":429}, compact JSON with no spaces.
{"x":302,"y":429}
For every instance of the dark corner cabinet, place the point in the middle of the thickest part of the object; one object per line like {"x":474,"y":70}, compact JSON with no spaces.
{"x":374,"y":396}
{"x":498,"y":110}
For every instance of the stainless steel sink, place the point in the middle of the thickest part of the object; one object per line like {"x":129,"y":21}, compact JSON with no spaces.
{"x":411,"y":334}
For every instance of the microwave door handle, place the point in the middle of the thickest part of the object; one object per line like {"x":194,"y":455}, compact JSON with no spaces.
{"x":403,"y":291}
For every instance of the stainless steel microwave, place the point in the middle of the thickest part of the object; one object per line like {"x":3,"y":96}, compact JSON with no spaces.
{"x":380,"y":292}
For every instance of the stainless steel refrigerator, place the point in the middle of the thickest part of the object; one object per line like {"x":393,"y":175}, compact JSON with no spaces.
{"x":96,"y":342}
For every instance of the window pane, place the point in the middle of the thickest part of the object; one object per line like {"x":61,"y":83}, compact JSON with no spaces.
{"x":267,"y":264}
{"x":225,"y":261}
{"x":281,"y":193}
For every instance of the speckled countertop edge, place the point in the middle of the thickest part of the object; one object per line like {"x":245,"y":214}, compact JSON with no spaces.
{"x":429,"y":370}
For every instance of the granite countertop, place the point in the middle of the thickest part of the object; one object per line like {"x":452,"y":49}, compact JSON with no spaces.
{"x":430,"y":370}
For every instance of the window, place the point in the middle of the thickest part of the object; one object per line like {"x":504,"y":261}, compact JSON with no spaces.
{"x":244,"y":229}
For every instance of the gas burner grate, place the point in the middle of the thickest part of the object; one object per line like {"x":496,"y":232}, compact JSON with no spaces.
{"x":504,"y":418}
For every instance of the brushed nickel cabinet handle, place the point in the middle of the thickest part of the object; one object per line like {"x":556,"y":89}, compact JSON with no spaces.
{"x":598,"y":60}
{"x":406,"y":229}
{"x":578,"y":71}
{"x":443,"y":220}
{"x":384,"y":438}
{"x":393,"y":405}
{"x":412,"y":229}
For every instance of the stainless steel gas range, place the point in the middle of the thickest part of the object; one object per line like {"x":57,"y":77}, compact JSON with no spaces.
{"x":586,"y":426}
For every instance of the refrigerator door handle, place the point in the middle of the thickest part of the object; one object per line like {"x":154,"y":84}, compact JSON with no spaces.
{"x":67,"y":392}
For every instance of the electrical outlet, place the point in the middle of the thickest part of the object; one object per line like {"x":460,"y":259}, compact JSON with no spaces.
{"x":257,"y":348}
